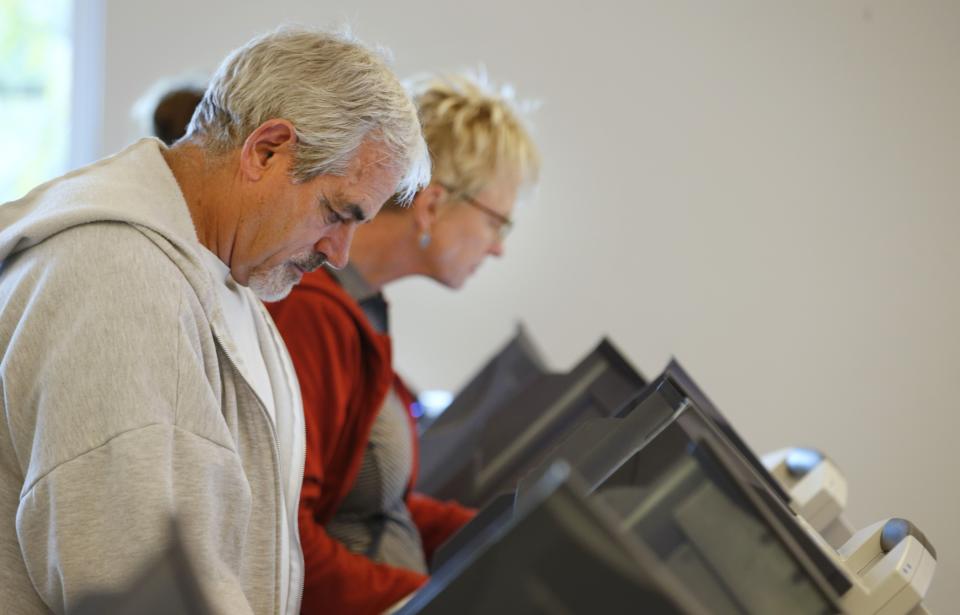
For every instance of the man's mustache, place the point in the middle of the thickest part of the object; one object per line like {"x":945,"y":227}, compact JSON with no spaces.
{"x":314,"y":261}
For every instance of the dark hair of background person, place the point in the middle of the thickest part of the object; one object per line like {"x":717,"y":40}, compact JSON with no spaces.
{"x":173,"y":113}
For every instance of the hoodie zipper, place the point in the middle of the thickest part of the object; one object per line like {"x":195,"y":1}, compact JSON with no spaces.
{"x":277,"y":475}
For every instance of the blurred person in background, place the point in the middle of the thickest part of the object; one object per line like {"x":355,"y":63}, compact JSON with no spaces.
{"x":367,"y":536}
{"x":165,"y":110}
{"x":141,"y":377}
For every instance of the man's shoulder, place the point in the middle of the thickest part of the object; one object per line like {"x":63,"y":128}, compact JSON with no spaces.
{"x":104,"y":253}
{"x":106,"y":268}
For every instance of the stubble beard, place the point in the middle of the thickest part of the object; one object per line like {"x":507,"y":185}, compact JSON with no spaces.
{"x":275,"y":283}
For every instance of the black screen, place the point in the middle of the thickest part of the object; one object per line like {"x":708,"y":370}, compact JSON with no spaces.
{"x":692,"y":440}
{"x":490,"y":459}
{"x":513,"y":369}
{"x":562,"y":555}
{"x":687,"y":387}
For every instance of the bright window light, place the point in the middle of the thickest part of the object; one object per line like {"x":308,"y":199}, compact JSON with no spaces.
{"x":35,"y":75}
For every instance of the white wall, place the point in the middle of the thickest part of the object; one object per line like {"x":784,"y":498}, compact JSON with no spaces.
{"x":766,"y":190}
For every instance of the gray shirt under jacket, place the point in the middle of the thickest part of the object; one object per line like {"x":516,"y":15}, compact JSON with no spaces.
{"x":373,"y":519}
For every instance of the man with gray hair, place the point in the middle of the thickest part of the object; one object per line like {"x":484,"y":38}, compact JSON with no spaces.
{"x":140,"y":377}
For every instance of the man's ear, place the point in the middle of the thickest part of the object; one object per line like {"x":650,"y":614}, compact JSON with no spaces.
{"x":426,"y":206}
{"x":269,"y":145}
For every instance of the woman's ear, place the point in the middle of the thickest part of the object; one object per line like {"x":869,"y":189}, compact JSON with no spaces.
{"x":426,"y":207}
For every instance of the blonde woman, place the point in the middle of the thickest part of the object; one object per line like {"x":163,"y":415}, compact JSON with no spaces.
{"x":367,"y":536}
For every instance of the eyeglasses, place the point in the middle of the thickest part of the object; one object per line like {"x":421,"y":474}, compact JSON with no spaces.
{"x":505,"y":224}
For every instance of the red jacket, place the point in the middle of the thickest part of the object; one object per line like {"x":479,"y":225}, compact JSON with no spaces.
{"x":344,"y":368}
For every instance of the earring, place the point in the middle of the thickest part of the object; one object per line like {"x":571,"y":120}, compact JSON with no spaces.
{"x":424,"y":240}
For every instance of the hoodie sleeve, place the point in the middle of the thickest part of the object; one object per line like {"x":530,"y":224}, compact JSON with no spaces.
{"x":94,"y":339}
{"x":97,"y":522}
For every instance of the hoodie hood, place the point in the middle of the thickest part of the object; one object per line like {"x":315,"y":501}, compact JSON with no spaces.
{"x":134,"y":186}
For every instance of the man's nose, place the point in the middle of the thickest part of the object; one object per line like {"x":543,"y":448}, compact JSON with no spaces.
{"x":336,"y":245}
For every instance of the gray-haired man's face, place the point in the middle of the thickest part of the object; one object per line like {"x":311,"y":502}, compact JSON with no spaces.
{"x":302,"y":226}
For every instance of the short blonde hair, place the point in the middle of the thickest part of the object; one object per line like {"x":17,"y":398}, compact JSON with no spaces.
{"x":474,"y":132}
{"x":335,"y":92}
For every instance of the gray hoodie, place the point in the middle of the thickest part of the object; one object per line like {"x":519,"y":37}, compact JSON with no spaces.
{"x":121,"y":404}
